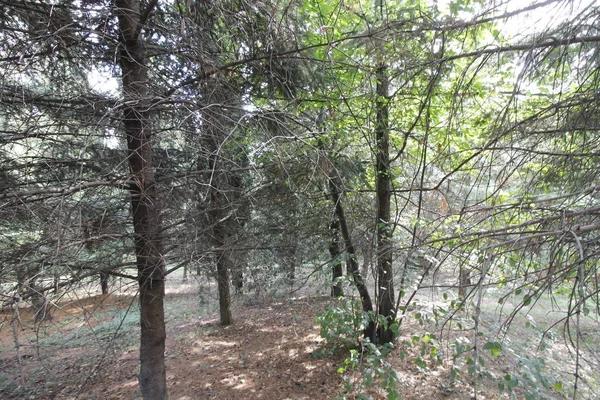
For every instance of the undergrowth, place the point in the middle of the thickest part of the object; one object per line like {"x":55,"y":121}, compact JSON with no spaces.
{"x":342,"y":327}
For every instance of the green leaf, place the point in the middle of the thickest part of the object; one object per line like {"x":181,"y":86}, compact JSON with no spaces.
{"x":493,"y":347}
{"x":403,"y":354}
{"x":452,"y":375}
{"x":471,"y":370}
{"x":434,"y":352}
{"x":558,"y":386}
{"x":395,"y":328}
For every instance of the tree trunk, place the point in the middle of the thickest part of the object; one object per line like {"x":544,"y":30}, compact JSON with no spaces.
{"x":336,"y":255}
{"x":224,"y":294}
{"x":104,"y":282}
{"x":185,"y":274}
{"x":219,"y":236}
{"x":289,"y":257}
{"x":464,"y":280}
{"x":219,"y":201}
{"x":222,"y":267}
{"x":41,"y":305}
{"x":367,"y":258}
{"x":385,"y":279}
{"x":149,"y":258}
{"x":237,"y":275}
{"x":351,"y":261}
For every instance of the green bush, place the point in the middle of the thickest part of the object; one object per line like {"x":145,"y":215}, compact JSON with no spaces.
{"x":342,"y":325}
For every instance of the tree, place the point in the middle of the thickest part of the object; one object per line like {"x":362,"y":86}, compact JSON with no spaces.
{"x":150,"y":261}
{"x":352,"y":268}
{"x":385,"y":278}
{"x":53,"y":148}
{"x":336,"y":256}
{"x":222,"y":214}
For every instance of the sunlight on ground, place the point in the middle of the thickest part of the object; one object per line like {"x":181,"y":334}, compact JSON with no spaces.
{"x":293,"y":353}
{"x":130,"y":384}
{"x":310,"y":367}
{"x":219,"y":343}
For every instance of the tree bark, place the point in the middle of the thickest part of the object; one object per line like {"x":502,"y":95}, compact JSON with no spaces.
{"x":237,"y":275}
{"x":220,"y":217}
{"x":219,"y":231}
{"x":219,"y":234}
{"x":104,"y":283}
{"x":464,"y":280}
{"x":336,"y":255}
{"x":149,"y":258}
{"x":222,"y":277}
{"x":41,"y":305}
{"x":385,"y":279}
{"x":185,"y":274}
{"x":351,"y":261}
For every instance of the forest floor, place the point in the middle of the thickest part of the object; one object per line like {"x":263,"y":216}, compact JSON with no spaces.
{"x":89,"y":351}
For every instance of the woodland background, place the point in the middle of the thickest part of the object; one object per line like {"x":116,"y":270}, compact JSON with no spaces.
{"x":433,"y":161}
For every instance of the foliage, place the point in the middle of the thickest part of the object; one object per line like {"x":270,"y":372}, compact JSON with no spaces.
{"x":342,"y":327}
{"x":374,"y":371}
{"x":254,"y":107}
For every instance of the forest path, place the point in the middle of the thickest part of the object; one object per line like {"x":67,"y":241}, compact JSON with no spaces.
{"x":266,"y":354}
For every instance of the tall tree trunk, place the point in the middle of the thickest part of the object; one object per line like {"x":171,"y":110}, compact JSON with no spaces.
{"x":351,"y":261}
{"x":215,"y":136}
{"x":222,"y":274}
{"x":150,"y":262}
{"x":336,"y":255}
{"x":219,"y":221}
{"x":385,"y":279}
{"x":242,"y":215}
{"x":352,"y":267}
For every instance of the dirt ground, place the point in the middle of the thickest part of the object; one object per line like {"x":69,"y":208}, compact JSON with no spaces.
{"x":266,"y":354}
